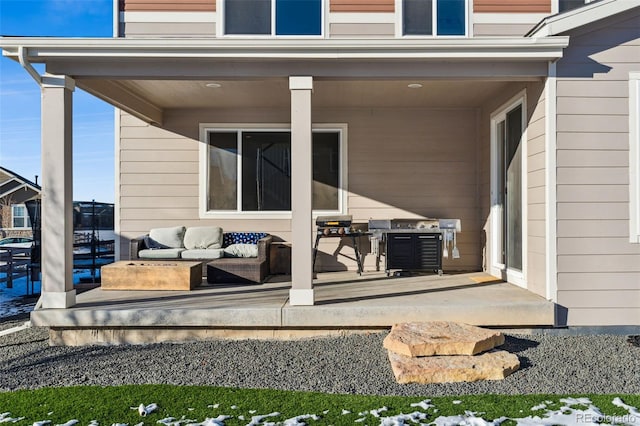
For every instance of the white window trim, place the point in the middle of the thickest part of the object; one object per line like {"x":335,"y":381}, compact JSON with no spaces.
{"x":341,"y":128}
{"x":221,"y":25}
{"x":634,"y":157}
{"x":496,"y":268}
{"x":434,"y":23}
{"x":25,"y":216}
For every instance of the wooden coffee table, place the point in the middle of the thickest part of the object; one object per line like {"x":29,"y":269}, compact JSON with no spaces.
{"x":151,"y":275}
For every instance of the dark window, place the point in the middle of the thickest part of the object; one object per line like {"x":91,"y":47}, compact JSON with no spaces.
{"x":566,"y":5}
{"x":417,"y":17}
{"x":298,"y":17}
{"x":265,"y":170}
{"x":451,"y":17}
{"x":247,"y":17}
{"x":292,"y":17}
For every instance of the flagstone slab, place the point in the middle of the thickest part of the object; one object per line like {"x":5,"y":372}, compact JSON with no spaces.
{"x":440,"y":338}
{"x":494,"y":365}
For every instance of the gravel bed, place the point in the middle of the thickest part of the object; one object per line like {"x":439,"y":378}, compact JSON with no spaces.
{"x":356,"y":364}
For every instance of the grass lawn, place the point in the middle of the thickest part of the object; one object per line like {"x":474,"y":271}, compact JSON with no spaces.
{"x":195,"y":404}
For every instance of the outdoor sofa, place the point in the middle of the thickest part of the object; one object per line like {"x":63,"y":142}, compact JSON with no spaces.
{"x":227,"y":257}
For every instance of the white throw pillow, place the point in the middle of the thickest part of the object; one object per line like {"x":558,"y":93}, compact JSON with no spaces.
{"x":169,"y":237}
{"x":241,"y":250}
{"x":203,"y":237}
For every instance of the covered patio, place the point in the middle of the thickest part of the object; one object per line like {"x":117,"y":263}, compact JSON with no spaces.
{"x":410,"y":153}
{"x":345,"y":303}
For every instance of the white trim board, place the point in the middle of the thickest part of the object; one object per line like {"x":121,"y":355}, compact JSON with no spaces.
{"x":551,"y":249}
{"x":168,"y":17}
{"x":634,"y":157}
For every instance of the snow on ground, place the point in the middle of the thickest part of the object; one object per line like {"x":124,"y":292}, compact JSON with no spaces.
{"x":569,"y":412}
{"x":23,"y":296}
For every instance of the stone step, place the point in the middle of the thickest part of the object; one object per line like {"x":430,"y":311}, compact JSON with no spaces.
{"x":494,"y":365}
{"x":418,"y":339}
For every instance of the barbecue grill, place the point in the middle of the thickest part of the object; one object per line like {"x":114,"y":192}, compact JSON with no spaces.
{"x":338,"y":227}
{"x":412,"y":244}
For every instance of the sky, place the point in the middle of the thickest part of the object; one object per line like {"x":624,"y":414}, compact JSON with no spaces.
{"x":93,"y":132}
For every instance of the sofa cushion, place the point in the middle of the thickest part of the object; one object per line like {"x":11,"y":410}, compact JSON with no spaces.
{"x":241,"y":250}
{"x":203,"y":237}
{"x":170,"y":253}
{"x":168,"y":237}
{"x":230,"y":238}
{"x":209,"y":254}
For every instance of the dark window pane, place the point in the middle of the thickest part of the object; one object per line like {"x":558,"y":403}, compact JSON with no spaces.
{"x":417,"y":17}
{"x":513,"y":213}
{"x":566,"y":5}
{"x":223,"y":171}
{"x":298,"y":17}
{"x":451,"y":17}
{"x":266,"y":171}
{"x":326,"y":170}
{"x":247,"y":17}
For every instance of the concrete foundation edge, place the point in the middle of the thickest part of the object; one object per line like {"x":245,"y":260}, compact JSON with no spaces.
{"x":143,"y":336}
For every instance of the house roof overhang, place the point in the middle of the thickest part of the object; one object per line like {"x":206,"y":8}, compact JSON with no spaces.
{"x":106,"y":67}
{"x":126,"y":50}
{"x":591,"y":12}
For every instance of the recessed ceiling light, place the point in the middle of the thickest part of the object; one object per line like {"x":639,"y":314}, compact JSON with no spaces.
{"x":213,"y":85}
{"x":414,"y":85}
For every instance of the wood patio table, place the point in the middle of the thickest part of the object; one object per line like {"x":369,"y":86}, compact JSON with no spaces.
{"x":151,"y":275}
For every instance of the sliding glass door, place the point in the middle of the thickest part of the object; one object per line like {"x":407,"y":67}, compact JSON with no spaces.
{"x":508,"y":206}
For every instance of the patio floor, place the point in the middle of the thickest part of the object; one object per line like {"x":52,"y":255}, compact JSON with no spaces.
{"x":344,"y":301}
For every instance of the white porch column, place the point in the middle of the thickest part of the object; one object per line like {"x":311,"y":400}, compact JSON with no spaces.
{"x":301,"y":292}
{"x":57,"y":193}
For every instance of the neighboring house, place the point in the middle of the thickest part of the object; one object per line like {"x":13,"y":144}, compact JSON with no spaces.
{"x":518,"y":117}
{"x":14,"y":191}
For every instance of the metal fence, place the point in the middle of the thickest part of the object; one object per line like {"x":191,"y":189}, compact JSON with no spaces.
{"x":15,"y":264}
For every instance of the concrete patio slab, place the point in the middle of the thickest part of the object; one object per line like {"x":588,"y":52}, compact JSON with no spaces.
{"x":344,"y":301}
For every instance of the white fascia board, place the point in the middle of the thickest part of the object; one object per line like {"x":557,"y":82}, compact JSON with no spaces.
{"x":592,"y":12}
{"x":40,"y":49}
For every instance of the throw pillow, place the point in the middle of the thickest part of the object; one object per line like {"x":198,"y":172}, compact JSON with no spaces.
{"x":242,"y":238}
{"x":203,"y":237}
{"x":241,"y":250}
{"x":169,"y":237}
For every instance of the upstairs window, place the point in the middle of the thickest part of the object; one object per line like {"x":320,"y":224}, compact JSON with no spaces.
{"x":434,"y":17}
{"x":273,"y":17}
{"x":20,"y":217}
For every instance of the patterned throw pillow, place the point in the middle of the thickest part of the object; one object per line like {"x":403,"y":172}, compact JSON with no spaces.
{"x":242,"y":238}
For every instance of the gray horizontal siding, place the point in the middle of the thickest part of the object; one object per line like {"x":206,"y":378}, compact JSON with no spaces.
{"x":173,"y":29}
{"x":501,"y":29}
{"x":598,"y":269}
{"x":361,"y":30}
{"x":159,"y":172}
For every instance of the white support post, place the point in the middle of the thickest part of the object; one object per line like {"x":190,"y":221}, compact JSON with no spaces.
{"x":301,"y":292}
{"x":57,"y":193}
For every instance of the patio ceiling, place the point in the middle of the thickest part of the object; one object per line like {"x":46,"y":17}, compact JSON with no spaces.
{"x":172,"y":94}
